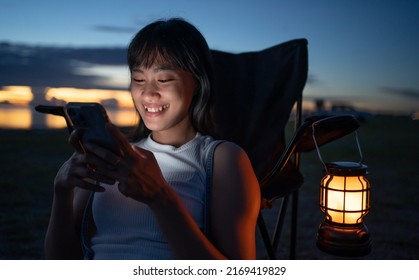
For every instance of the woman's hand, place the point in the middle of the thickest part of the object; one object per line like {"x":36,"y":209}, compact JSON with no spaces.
{"x":135,"y":169}
{"x":79,"y":170}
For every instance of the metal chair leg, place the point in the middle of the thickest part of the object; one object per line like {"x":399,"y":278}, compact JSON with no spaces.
{"x":265,"y":237}
{"x":280,"y":222}
{"x":294,"y":216}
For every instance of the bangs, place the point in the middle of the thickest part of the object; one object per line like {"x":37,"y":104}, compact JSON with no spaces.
{"x":175,"y":43}
{"x":151,"y":54}
{"x":163,"y":49}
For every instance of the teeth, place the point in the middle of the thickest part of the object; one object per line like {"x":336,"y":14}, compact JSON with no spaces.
{"x":156,"y":109}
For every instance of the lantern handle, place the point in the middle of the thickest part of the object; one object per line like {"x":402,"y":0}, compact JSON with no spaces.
{"x":317,"y":146}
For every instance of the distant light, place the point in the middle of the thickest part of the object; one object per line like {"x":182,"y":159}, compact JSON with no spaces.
{"x":21,"y":95}
{"x":122,"y":97}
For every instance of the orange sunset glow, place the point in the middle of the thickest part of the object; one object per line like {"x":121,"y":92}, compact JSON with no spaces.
{"x":90,"y":95}
{"x":18,"y":102}
{"x":22,"y":95}
{"x":19,"y":95}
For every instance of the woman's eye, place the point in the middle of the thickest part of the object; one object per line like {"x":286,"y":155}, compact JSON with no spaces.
{"x":139,"y":81}
{"x":165,"y":80}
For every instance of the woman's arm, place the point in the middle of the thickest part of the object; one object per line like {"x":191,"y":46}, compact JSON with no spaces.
{"x":235,"y":203}
{"x":62,"y":240}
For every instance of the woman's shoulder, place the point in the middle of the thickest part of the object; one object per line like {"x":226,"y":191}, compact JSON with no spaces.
{"x":228,"y":151}
{"x":220,"y":147}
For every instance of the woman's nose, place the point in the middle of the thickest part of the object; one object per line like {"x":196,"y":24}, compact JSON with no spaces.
{"x":150,"y":90}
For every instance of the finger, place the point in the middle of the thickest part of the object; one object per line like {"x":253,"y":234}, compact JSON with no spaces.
{"x":75,"y":140}
{"x":90,"y":185}
{"x":106,"y":177}
{"x":77,"y":180}
{"x":82,"y":168}
{"x":100,"y":178}
{"x":90,"y":176}
{"x":122,"y":142}
{"x":101,"y":157}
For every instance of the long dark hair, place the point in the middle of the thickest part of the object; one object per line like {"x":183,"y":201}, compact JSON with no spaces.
{"x":178,"y":43}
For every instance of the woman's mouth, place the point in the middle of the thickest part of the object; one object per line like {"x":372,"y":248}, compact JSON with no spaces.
{"x":155,"y":109}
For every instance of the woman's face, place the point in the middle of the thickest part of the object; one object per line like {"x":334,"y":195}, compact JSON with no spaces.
{"x":162,"y":95}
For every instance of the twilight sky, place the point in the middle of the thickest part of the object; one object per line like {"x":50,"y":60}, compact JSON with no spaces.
{"x":360,"y":51}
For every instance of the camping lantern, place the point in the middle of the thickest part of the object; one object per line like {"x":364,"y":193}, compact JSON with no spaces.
{"x":345,"y":201}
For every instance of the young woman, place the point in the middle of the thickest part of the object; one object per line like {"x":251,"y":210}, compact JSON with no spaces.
{"x":174,"y":193}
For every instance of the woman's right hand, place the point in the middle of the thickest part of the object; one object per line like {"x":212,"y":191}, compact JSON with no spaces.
{"x":77,"y":170}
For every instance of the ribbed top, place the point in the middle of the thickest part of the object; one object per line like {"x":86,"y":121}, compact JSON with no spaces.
{"x":126,"y":228}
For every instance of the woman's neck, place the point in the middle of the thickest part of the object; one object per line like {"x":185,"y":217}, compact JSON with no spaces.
{"x":172,"y":138}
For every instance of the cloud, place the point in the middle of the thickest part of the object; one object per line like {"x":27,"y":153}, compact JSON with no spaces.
{"x":55,"y":66}
{"x":114,"y":29}
{"x":403,"y":92}
{"x":312,"y":79}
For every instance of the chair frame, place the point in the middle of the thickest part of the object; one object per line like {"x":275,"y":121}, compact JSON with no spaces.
{"x":271,"y":243}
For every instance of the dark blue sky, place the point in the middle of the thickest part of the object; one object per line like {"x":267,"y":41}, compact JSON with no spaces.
{"x":364,"y":52}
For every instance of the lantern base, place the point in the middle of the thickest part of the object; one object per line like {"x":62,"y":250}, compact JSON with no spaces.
{"x":345,"y":241}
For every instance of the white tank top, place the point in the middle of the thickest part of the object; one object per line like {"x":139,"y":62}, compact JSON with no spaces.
{"x":126,"y":228}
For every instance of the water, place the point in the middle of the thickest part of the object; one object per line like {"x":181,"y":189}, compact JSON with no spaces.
{"x":25,"y":117}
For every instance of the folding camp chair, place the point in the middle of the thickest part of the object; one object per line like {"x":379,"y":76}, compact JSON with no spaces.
{"x":255,"y":96}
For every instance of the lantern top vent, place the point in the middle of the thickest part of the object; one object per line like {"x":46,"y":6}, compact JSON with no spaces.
{"x":346,"y":168}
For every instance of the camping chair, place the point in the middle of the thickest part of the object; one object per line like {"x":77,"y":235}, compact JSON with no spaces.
{"x":255,"y":96}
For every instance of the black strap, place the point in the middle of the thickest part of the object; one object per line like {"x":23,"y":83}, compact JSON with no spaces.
{"x":208,"y":189}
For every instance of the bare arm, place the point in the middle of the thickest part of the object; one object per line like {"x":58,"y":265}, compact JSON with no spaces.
{"x":235,"y":203}
{"x":62,"y":240}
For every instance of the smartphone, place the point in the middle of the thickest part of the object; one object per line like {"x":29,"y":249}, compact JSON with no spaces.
{"x":92,"y":118}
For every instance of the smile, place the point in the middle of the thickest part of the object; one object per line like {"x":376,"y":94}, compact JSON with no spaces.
{"x":156,"y":109}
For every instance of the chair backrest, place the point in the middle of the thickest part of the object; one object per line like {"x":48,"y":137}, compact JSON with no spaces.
{"x":255,"y":94}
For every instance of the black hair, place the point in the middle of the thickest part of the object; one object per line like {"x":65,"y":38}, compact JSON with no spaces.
{"x":179,"y":43}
